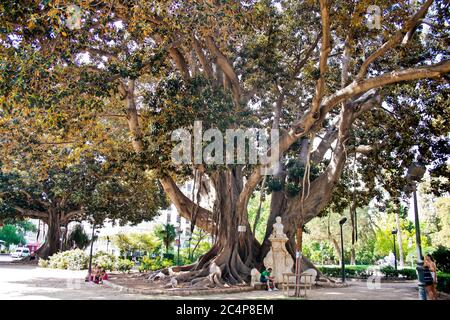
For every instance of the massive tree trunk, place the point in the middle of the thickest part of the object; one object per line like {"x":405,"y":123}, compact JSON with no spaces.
{"x":235,"y":250}
{"x":52,"y":240}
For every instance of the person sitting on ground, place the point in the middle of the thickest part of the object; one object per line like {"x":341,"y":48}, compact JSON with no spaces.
{"x":103,"y":275}
{"x":96,"y":274}
{"x":268,"y":279}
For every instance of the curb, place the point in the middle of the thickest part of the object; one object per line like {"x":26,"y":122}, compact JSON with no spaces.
{"x":177,"y":292}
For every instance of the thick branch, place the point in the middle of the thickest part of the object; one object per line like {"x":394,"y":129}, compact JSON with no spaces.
{"x":324,"y":145}
{"x":186,"y":206}
{"x":133,"y":118}
{"x":355,"y":88}
{"x":206,"y":64}
{"x":180,"y":62}
{"x":31,"y":213}
{"x":307,"y":56}
{"x":227,"y":68}
{"x":324,"y":52}
{"x":396,"y":39}
{"x":67,"y":217}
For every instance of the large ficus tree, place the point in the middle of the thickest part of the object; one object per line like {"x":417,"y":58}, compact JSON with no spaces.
{"x":316,"y":70}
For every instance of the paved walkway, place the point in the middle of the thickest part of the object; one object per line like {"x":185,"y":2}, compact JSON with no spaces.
{"x":5,"y":258}
{"x":31,"y":282}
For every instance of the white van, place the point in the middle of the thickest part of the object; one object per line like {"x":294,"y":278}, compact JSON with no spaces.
{"x":21,"y":253}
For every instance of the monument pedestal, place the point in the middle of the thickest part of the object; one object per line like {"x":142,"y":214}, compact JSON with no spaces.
{"x":278,"y":258}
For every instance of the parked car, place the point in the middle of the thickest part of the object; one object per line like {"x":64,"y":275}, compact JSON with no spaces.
{"x":21,"y":253}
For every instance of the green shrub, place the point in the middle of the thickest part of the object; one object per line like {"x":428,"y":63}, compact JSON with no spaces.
{"x":43,"y":263}
{"x":408,"y":273}
{"x":443,"y":282}
{"x":331,"y":271}
{"x":124,"y":265}
{"x":363,"y":271}
{"x":104,"y":260}
{"x":442,"y":258}
{"x":154,"y":264}
{"x":389,"y":272}
{"x":167,"y":263}
{"x":146,"y":264}
{"x":359,"y":271}
{"x":72,"y":260}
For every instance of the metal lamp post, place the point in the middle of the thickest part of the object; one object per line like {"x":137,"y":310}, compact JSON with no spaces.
{"x":394,"y":232}
{"x":414,"y":175}
{"x":179,"y":232}
{"x":90,"y":253}
{"x":189,"y":238}
{"x":341,"y":223}
{"x":62,"y":230}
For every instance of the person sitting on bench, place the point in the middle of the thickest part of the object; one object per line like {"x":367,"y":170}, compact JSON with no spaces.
{"x":266,"y":278}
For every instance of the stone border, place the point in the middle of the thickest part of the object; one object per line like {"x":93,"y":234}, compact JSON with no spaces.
{"x":177,"y":292}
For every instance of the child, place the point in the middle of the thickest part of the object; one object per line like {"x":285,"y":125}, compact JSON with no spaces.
{"x":103,"y":275}
{"x":266,"y":278}
{"x":96,"y":274}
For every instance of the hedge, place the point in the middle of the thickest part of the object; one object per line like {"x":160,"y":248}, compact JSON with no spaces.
{"x":358,"y":271}
{"x":362,"y":271}
{"x":443,"y":283}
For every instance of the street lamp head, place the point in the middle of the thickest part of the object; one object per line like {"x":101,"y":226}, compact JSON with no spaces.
{"x":415,"y":172}
{"x":394,"y":231}
{"x":342,"y":221}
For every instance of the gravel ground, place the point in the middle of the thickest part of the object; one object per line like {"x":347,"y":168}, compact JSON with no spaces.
{"x":31,"y":282}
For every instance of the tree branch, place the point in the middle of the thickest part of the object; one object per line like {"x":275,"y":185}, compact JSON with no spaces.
{"x":186,"y":206}
{"x":206,"y":64}
{"x":66,"y":218}
{"x":324,"y":52}
{"x":330,"y":136}
{"x":31,"y":213}
{"x":226,"y":67}
{"x":300,"y":64}
{"x":355,"y":88}
{"x":408,"y":27}
{"x":180,"y":62}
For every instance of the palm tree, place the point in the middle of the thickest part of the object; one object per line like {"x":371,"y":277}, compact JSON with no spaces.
{"x":167,"y":234}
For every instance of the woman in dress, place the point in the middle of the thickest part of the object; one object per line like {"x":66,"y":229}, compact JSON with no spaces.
{"x":430,"y":277}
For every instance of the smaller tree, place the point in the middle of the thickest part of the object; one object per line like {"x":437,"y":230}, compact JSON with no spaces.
{"x":78,"y":237}
{"x":22,"y":226}
{"x":11,"y":235}
{"x":124,"y":243}
{"x":167,"y":234}
{"x":146,"y":242}
{"x":442,"y":258}
{"x":199,"y":244}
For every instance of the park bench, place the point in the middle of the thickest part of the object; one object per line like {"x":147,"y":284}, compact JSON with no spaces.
{"x":290,"y":282}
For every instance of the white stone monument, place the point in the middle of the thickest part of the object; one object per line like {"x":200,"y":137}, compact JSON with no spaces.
{"x":278,"y":257}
